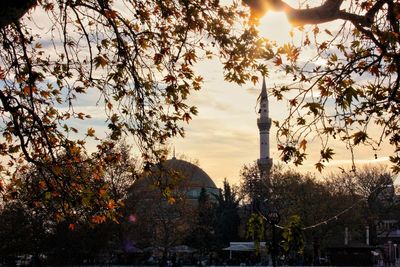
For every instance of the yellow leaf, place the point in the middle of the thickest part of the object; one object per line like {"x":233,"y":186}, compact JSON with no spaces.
{"x":171,"y":200}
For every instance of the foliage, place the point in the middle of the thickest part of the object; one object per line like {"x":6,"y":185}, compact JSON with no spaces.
{"x":227,"y":215}
{"x":254,"y":188}
{"x":24,"y":230}
{"x":121,"y":172}
{"x":342,"y":77}
{"x":293,"y":239}
{"x":203,"y":236}
{"x":80,"y":193}
{"x":373,"y":191}
{"x":326,"y":206}
{"x":135,"y":57}
{"x":256,"y":229}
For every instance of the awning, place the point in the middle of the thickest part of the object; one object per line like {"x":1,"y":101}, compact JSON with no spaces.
{"x":183,"y":249}
{"x":243,"y":246}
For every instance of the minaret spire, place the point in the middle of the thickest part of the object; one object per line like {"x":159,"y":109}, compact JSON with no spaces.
{"x":264,"y":124}
{"x":264,"y":88}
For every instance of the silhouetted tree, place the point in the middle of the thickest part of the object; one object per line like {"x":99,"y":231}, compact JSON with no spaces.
{"x":227,"y":215}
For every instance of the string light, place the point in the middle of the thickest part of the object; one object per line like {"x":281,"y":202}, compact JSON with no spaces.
{"x":336,"y":217}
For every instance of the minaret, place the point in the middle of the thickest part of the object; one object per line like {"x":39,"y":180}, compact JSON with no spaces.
{"x":264,"y":124}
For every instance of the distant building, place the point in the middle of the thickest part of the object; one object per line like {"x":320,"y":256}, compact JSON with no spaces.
{"x":184,"y":178}
{"x":162,"y":205}
{"x":264,"y":125}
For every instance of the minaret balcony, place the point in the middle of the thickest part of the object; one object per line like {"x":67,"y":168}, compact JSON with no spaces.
{"x":264,"y":123}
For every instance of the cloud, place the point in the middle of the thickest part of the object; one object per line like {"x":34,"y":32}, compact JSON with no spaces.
{"x":253,"y":91}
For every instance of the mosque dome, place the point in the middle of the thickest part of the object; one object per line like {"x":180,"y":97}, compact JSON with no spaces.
{"x":182,"y":175}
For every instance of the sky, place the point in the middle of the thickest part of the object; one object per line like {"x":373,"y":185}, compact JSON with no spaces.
{"x":224,"y":136}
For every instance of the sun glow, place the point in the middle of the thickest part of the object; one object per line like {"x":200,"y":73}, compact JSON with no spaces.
{"x":275,"y":27}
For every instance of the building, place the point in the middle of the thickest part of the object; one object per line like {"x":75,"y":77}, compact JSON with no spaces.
{"x":163,"y":205}
{"x":264,"y":125}
{"x":185,"y":179}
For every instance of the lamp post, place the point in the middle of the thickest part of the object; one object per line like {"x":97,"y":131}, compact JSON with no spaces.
{"x":273,"y":218}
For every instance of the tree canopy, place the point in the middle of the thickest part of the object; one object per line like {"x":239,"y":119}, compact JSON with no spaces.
{"x":135,"y":57}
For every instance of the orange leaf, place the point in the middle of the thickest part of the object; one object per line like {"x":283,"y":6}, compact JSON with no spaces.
{"x":111,"y":204}
{"x":98,"y":219}
{"x":28,"y":90}
{"x":2,"y":75}
{"x":102,"y":192}
{"x":278,"y":61}
{"x":303,"y":144}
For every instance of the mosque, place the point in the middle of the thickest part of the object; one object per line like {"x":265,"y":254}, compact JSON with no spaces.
{"x":184,"y":175}
{"x":190,"y":178}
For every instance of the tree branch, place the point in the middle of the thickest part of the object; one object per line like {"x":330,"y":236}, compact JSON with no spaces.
{"x":11,"y":11}
{"x":328,"y":11}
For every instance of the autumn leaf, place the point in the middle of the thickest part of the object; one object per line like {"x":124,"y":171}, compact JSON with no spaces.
{"x":7,"y":136}
{"x":190,"y":56}
{"x":315,"y":108}
{"x":293,"y":102}
{"x":28,"y":90}
{"x":111,"y":14}
{"x":186,"y":117}
{"x":97,"y":219}
{"x":328,"y":32}
{"x":111,"y":204}
{"x":109,"y":105}
{"x":45,"y":94}
{"x":254,"y":79}
{"x":90,"y":132}
{"x":169,"y":78}
{"x":75,"y":150}
{"x":100,"y":61}
{"x":303,"y":144}
{"x":359,"y":137}
{"x":301,"y":121}
{"x":278,"y":61}
{"x":171,"y":200}
{"x":81,"y":116}
{"x":102,"y":192}
{"x":319,"y":166}
{"x":327,"y":153}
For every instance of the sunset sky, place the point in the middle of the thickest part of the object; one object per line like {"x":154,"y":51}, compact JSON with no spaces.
{"x":224,"y":136}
